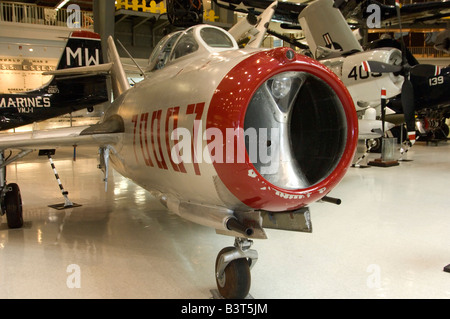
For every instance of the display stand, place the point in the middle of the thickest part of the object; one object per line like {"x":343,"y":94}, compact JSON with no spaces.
{"x":380,"y":163}
{"x":387,"y":158}
{"x":67,"y":203}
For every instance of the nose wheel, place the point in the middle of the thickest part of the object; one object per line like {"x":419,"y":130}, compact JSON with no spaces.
{"x":233,"y":265}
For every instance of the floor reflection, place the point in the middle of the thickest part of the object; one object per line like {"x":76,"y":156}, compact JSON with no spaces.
{"x":127,"y":245}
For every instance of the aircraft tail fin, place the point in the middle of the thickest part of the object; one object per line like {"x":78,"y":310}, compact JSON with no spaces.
{"x":326,"y":29}
{"x":118,"y":78}
{"x":81,"y":76}
{"x":83,"y":61}
{"x":83,"y":48}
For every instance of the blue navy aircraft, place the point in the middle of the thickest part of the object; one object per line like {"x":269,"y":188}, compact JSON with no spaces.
{"x":67,"y":92}
{"x":428,"y":95}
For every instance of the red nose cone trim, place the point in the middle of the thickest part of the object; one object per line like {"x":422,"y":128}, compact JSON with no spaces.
{"x":227,"y":110}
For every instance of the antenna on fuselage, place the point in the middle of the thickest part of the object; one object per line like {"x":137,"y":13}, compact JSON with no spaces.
{"x":134,"y":61}
{"x":119,"y":80}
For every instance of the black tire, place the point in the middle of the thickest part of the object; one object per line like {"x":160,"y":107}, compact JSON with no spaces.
{"x":445,"y":130}
{"x":376,"y":146}
{"x":13,"y":206}
{"x":236,"y":283}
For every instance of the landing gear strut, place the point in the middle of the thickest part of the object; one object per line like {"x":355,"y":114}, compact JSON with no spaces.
{"x":233,"y":265}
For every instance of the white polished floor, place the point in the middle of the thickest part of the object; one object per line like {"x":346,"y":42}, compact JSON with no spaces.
{"x":390,"y":238}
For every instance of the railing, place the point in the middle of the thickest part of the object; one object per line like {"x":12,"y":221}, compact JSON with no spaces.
{"x":33,"y":14}
{"x":428,"y":52}
{"x":138,"y":5}
{"x":153,"y":7}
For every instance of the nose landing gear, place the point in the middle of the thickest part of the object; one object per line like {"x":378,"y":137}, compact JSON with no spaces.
{"x":233,"y":265}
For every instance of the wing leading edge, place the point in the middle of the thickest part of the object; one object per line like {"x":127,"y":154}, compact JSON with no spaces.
{"x":104,"y":133}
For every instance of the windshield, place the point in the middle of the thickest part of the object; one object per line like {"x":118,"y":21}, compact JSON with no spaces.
{"x":161,"y":53}
{"x":186,"y":45}
{"x":179,"y":44}
{"x":215,"y":38}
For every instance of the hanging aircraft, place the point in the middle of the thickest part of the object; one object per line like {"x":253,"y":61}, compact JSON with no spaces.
{"x":184,"y":13}
{"x":286,"y":11}
{"x":66,"y":92}
{"x":235,"y":139}
{"x":355,"y":10}
{"x":425,"y":13}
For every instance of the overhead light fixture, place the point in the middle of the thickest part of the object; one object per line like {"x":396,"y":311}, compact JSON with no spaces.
{"x":61,"y":4}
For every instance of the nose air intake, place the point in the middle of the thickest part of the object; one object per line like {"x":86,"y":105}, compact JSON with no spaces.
{"x":297,"y":124}
{"x":306,"y":130}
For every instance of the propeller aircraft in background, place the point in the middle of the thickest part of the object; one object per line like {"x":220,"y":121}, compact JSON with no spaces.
{"x":364,"y":71}
{"x":235,"y":139}
{"x":428,"y":96}
{"x":330,"y":41}
{"x":424,"y":90}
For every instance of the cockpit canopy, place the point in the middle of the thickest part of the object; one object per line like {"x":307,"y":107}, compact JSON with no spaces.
{"x":199,"y":38}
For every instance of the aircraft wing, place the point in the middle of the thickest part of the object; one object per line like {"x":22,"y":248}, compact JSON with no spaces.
{"x":108,"y":132}
{"x":91,"y":70}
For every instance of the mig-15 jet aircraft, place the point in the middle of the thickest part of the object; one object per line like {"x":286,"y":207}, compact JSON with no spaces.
{"x":235,"y":139}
